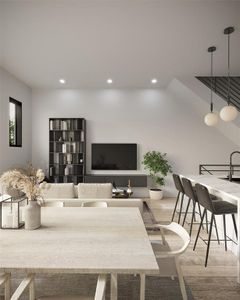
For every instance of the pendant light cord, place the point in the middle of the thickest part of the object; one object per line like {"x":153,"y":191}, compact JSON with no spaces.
{"x":229,"y":81}
{"x":211,"y":105}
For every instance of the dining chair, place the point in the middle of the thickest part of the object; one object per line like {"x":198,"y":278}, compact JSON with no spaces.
{"x":95,"y":204}
{"x":5,"y":282}
{"x":167,"y":258}
{"x":28,"y":282}
{"x":179,"y":187}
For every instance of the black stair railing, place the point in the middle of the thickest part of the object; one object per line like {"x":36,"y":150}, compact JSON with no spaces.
{"x":220,"y":87}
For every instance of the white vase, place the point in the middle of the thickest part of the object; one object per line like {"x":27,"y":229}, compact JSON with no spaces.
{"x":32,"y":215}
{"x":155,"y":194}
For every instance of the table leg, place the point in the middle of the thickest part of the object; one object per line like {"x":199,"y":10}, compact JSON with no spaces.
{"x":7,"y":286}
{"x":238,"y":241}
{"x":114,"y":294}
{"x":142,"y":286}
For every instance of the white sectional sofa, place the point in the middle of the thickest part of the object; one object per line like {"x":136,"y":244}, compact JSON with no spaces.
{"x":75,"y":195}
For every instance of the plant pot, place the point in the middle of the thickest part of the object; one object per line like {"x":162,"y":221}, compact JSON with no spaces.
{"x":155,"y":194}
{"x":32,"y":215}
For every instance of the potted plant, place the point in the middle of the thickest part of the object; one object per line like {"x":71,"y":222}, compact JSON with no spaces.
{"x":157,"y":165}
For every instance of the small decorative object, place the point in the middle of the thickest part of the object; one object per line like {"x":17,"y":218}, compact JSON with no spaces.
{"x":129,"y":190}
{"x":66,"y":171}
{"x":69,"y":158}
{"x":30,"y":182}
{"x":11,"y":212}
{"x":63,"y":125}
{"x":82,"y":136}
{"x":51,"y":125}
{"x":64,"y":148}
{"x":157,"y":165}
{"x":60,"y":139}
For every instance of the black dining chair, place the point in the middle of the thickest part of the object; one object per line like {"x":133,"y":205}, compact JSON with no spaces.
{"x":180,"y":189}
{"x":215,"y":208}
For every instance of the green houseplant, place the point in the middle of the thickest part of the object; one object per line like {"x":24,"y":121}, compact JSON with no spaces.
{"x":157,"y":165}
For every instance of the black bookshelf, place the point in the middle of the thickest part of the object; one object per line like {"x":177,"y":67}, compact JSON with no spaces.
{"x":67,"y":150}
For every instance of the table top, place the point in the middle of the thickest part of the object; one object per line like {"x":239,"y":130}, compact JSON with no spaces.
{"x":81,"y":240}
{"x":219,"y":187}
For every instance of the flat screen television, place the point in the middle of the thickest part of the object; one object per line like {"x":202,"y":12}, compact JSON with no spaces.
{"x":114,"y":156}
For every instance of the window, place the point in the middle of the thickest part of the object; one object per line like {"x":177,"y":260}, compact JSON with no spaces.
{"x":15,"y":123}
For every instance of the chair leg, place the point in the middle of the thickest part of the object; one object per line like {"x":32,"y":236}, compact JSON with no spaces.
{"x":186,"y":212}
{"x":200,"y":213}
{"x":235,"y":225}
{"x":199,"y":228}
{"x":181,"y":280}
{"x":209,"y":239}
{"x":224,"y":230}
{"x":215,"y":224}
{"x":206,"y":222}
{"x":180,"y":212}
{"x":174,"y":211}
{"x":193,"y":213}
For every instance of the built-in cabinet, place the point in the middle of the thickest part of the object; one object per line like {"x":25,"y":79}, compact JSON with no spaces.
{"x":67,"y":150}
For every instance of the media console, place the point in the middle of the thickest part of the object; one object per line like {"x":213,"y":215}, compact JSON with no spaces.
{"x":120,"y":180}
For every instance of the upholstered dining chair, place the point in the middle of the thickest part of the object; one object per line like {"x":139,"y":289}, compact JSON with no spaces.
{"x":5,"y":282}
{"x":95,"y":204}
{"x":167,"y":258}
{"x":28,"y":282}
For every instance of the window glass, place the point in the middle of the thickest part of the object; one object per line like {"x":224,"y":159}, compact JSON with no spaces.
{"x":15,"y":123}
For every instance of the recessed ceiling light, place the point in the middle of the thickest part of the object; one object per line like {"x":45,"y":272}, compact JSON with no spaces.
{"x":154,"y":81}
{"x":109,"y":81}
{"x":62,"y":81}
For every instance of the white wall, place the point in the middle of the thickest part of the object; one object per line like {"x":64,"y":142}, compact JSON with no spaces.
{"x":11,"y":157}
{"x":154,"y":119}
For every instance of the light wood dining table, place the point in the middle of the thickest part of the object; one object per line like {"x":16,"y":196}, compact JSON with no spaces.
{"x":82,"y":241}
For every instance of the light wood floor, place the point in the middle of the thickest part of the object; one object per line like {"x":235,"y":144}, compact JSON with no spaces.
{"x":219,"y":279}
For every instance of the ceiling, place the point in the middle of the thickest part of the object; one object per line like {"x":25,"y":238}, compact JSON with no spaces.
{"x":88,"y":41}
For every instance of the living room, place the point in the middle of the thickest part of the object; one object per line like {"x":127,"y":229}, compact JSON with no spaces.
{"x":133,"y":73}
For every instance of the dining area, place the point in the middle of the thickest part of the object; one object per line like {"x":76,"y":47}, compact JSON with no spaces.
{"x":97,"y":243}
{"x":94,"y":251}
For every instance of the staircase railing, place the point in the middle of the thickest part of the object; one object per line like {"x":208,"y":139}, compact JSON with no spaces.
{"x":212,"y":169}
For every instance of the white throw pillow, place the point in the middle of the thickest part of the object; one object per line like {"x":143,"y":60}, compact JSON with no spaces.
{"x":59,"y":191}
{"x":95,"y":190}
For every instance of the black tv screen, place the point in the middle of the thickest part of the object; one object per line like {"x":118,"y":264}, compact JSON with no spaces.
{"x":114,"y":156}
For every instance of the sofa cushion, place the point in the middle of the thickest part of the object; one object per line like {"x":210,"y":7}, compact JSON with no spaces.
{"x":59,"y":191}
{"x":94,"y":190}
{"x":130,"y":202}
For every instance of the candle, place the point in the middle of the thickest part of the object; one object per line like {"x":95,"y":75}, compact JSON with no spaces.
{"x":15,"y":220}
{"x":8,"y":220}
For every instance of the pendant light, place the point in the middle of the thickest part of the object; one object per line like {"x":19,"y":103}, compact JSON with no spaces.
{"x":211,"y":119}
{"x":229,"y":112}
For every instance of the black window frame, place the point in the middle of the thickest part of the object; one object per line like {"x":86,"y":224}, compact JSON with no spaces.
{"x":18,"y":122}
